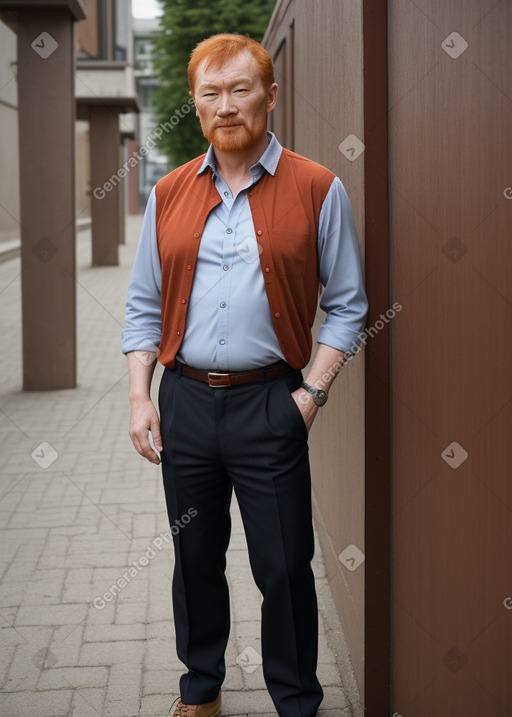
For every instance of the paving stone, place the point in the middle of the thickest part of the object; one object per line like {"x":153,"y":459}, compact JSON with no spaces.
{"x":124,"y":690}
{"x":12,"y":593}
{"x":56,"y":703}
{"x":334,"y":699}
{"x":128,"y":613}
{"x":74,"y":677}
{"x":78,"y":593}
{"x":88,"y":702}
{"x":19,"y":571}
{"x":51,"y":615}
{"x":160,"y":652}
{"x":66,"y":644}
{"x":112,"y":653}
{"x":161,"y":610}
{"x":256,"y":702}
{"x":156,"y":705}
{"x":144,"y":525}
{"x":113,"y":633}
{"x":163,"y":630}
{"x":161,"y":681}
{"x":44,"y":589}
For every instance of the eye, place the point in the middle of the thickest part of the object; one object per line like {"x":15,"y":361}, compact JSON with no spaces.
{"x":241,"y":90}
{"x":209,"y":94}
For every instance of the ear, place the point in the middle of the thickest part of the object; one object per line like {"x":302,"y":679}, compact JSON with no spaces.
{"x":192,"y":95}
{"x":272,"y":97}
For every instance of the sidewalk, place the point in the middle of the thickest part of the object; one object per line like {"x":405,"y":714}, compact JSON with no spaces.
{"x":86,"y":558}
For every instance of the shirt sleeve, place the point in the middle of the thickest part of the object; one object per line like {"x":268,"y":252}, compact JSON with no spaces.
{"x":344,"y":298}
{"x":143,"y":326}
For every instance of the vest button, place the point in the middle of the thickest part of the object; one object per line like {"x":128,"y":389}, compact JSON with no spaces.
{"x":189,"y":267}
{"x":267,"y":269}
{"x":178,"y":333}
{"x":196,"y":235}
{"x":277,"y":315}
{"x":259,"y":232}
{"x":183,"y":301}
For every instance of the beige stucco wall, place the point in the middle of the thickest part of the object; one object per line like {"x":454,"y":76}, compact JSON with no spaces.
{"x":82,"y":170}
{"x":9,"y":174}
{"x":327,"y":107}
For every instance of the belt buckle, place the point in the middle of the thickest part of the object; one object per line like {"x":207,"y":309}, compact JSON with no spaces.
{"x":213,"y":377}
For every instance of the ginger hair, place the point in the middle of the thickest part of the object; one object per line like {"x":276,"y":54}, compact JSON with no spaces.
{"x":221,"y":48}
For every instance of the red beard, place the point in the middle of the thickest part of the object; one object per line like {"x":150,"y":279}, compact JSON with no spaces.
{"x":233,"y":140}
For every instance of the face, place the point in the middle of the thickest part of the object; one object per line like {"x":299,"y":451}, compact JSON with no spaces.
{"x":232,"y":103}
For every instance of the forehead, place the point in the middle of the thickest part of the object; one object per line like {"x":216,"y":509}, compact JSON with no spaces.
{"x":242,"y":66}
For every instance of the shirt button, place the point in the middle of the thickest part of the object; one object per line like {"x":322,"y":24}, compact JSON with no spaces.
{"x":229,"y":231}
{"x":225,"y":267}
{"x":222,"y":342}
{"x":226,"y":194}
{"x":222,"y":304}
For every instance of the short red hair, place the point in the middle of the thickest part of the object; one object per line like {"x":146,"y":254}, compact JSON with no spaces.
{"x":224,"y":47}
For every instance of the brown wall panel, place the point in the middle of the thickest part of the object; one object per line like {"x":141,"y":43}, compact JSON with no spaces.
{"x":450,"y":148}
{"x":325,"y":94}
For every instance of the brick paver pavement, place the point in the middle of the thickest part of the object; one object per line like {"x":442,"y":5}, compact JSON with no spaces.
{"x":86,"y":557}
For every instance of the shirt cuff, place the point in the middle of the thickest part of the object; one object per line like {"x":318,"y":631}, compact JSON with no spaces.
{"x":341,"y":339}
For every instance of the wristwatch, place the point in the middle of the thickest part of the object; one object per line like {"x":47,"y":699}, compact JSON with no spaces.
{"x":319,"y":396}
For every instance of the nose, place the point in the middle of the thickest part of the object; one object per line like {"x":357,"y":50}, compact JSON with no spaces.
{"x":226,"y":106}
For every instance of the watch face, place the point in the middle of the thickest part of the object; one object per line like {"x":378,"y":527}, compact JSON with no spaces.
{"x":320,"y":397}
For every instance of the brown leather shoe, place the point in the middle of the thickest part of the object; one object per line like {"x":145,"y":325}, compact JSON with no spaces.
{"x":211,"y":709}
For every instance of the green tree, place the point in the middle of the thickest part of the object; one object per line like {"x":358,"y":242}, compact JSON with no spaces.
{"x":183,"y":24}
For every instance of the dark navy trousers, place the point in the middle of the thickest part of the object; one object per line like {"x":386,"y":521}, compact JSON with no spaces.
{"x":250,"y":438}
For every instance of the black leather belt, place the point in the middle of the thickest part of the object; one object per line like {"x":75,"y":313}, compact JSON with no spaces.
{"x":235,"y":378}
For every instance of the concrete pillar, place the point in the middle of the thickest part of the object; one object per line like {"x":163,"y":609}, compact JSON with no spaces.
{"x":122,"y":199}
{"x":133,"y":180}
{"x":106,"y":184}
{"x":46,"y":112}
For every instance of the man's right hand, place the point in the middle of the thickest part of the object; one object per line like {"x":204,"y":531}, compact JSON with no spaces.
{"x":144,"y":418}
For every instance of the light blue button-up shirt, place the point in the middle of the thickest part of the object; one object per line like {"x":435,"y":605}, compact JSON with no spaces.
{"x":229,"y":326}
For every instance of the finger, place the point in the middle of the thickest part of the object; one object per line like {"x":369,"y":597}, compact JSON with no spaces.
{"x":143,"y":447}
{"x":155,"y":432}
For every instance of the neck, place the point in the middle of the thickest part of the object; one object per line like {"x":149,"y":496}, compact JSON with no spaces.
{"x":237,"y":164}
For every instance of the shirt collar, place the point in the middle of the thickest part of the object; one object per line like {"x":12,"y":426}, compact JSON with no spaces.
{"x":267,"y":162}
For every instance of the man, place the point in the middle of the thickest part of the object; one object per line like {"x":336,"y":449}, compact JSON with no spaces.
{"x":225,"y":283}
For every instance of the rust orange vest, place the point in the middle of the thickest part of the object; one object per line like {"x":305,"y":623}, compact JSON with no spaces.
{"x":285,"y":210}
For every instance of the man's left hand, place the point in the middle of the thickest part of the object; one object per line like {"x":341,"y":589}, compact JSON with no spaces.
{"x":306,"y":406}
